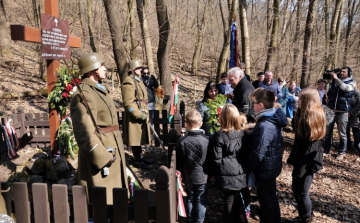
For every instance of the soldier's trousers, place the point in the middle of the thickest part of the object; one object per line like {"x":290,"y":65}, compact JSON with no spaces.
{"x":137,"y":151}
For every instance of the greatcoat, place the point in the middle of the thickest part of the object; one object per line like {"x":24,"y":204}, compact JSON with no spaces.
{"x":136,"y":131}
{"x":93,"y":155}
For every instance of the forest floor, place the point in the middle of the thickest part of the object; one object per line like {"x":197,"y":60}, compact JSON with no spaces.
{"x":334,"y":192}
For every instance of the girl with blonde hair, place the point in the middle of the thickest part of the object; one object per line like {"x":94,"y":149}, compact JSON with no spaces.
{"x":227,"y":154}
{"x":307,"y":153}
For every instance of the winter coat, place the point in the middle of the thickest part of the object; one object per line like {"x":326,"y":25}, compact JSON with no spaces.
{"x":248,"y":77}
{"x":354,"y":110}
{"x":151,"y":83}
{"x":221,"y":88}
{"x":191,"y":155}
{"x":242,"y":98}
{"x":265,"y":158}
{"x":205,"y":115}
{"x":256,"y":84}
{"x":227,"y":155}
{"x":2,"y":206}
{"x":274,"y":86}
{"x":93,"y":155}
{"x":284,"y":98}
{"x":295,"y":95}
{"x":339,"y":99}
{"x":306,"y":156}
{"x":136,"y":131}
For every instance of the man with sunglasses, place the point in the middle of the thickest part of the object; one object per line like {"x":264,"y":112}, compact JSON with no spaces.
{"x":151,"y":83}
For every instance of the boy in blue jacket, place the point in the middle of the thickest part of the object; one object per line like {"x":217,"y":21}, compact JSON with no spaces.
{"x":265,"y":158}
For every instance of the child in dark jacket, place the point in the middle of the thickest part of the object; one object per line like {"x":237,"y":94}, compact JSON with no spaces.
{"x":227,"y":154}
{"x":191,"y":155}
{"x":265,"y":158}
{"x":307,"y":153}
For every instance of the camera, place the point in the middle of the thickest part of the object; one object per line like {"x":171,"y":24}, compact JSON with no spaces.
{"x":328,"y":76}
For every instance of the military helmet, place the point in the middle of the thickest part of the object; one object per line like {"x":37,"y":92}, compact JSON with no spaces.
{"x":135,"y":64}
{"x":90,"y":62}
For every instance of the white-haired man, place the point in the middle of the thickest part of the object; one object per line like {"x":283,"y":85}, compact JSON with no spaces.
{"x":242,"y":92}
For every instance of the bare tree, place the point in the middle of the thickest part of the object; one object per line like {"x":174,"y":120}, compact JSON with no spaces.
{"x":82,"y":4}
{"x":296,"y":40}
{"x":274,"y":35}
{"x":351,"y":13}
{"x":5,"y":49}
{"x":224,"y":55}
{"x":245,"y":38}
{"x":133,"y":40}
{"x":120,"y":54}
{"x":90,"y":25}
{"x":332,"y":41}
{"x":141,"y":9}
{"x":337,"y":39}
{"x":307,"y":44}
{"x":164,"y":45}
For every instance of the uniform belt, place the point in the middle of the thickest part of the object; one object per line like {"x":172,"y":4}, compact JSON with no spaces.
{"x":108,"y":129}
{"x":142,"y":102}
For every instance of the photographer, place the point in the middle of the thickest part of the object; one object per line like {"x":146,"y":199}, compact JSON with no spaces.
{"x":339,"y":100}
{"x":151,"y":83}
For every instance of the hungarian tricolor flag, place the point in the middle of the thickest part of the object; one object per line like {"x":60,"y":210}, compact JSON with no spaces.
{"x":234,"y":56}
{"x":174,"y":99}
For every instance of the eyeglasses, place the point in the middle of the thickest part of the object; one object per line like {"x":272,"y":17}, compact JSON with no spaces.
{"x":146,"y":73}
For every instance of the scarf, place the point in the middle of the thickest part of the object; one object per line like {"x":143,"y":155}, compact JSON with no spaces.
{"x":265,"y":112}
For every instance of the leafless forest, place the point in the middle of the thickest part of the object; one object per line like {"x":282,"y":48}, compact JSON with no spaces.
{"x":295,"y":39}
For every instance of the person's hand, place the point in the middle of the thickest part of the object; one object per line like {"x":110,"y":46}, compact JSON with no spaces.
{"x":334,"y":75}
{"x":143,"y":116}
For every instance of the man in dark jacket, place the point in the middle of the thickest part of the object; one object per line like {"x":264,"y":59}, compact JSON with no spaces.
{"x":260,"y":78}
{"x":190,"y":158}
{"x":151,"y":83}
{"x":242,"y":92}
{"x":265,"y":158}
{"x":270,"y":84}
{"x":339,"y":100}
{"x":243,"y":68}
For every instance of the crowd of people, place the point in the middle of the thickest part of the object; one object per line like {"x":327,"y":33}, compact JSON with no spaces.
{"x":236,"y":157}
{"x":239,"y":158}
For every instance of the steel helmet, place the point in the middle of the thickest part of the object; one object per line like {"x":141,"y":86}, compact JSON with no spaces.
{"x":90,"y":62}
{"x":135,"y":64}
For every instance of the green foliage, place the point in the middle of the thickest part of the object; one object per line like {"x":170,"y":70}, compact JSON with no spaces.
{"x":61,"y":95}
{"x":65,"y":136}
{"x":215,"y":107}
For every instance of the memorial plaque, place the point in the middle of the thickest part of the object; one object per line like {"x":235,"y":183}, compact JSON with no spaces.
{"x":55,"y":44}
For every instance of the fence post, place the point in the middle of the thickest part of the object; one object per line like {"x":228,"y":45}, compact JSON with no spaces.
{"x":162,"y":196}
{"x":173,"y":140}
{"x":177,"y":123}
{"x":23,"y":131}
{"x":182,"y":113}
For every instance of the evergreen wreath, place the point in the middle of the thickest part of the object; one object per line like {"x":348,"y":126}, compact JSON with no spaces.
{"x":215,"y":107}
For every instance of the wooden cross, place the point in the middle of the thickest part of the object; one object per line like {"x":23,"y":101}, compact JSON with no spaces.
{"x":30,"y":34}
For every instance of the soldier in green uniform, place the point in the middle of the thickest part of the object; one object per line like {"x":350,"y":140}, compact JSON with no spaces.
{"x":101,"y":156}
{"x":136,"y":126}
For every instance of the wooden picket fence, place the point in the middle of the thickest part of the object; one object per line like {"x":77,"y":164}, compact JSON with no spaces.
{"x":62,"y":210}
{"x":34,"y":130}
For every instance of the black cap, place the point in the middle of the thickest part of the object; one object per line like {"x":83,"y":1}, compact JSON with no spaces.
{"x":260,"y":73}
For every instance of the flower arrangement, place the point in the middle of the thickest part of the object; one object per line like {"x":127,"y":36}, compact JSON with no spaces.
{"x":64,"y":90}
{"x":215,"y":107}
{"x":66,"y":138}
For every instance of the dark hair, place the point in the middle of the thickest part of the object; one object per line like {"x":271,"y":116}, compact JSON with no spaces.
{"x":145,"y":68}
{"x":260,"y":73}
{"x":223,"y":75}
{"x":265,"y":96}
{"x":209,"y":86}
{"x":321,"y":81}
{"x":348,"y":70}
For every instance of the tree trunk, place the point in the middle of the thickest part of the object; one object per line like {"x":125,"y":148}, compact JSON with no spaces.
{"x":245,"y":38}
{"x":338,"y":32}
{"x":120,"y":54}
{"x":327,"y":17}
{"x":82,"y":15}
{"x":307,"y":44}
{"x":296,"y":40}
{"x":224,"y":55}
{"x":132,"y":29}
{"x":332,"y":41}
{"x":141,"y":9}
{"x":164,"y":45}
{"x":351,"y":9}
{"x":37,"y":20}
{"x":199,"y":40}
{"x":268,"y":19}
{"x":274,"y":35}
{"x":62,"y":7}
{"x":90,"y":25}
{"x":5,"y":49}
